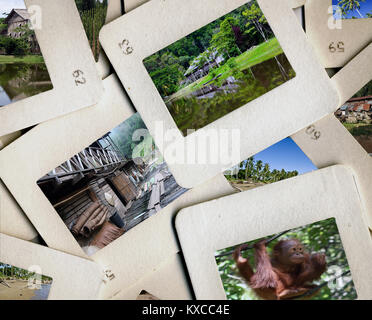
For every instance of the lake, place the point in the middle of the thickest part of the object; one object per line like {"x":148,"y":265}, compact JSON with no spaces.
{"x":213,"y":102}
{"x":20,"y":80}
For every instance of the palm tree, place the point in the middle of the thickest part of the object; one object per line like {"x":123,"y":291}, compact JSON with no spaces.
{"x":258,"y":168}
{"x":266,"y":172}
{"x":350,"y":6}
{"x":275,"y":175}
{"x":249,"y":169}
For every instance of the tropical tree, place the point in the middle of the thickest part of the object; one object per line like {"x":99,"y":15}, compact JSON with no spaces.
{"x":123,"y":133}
{"x":323,"y":236}
{"x":257,"y":171}
{"x":224,"y":41}
{"x":266,"y":172}
{"x":26,"y":40}
{"x":348,"y":6}
{"x":3,"y":25}
{"x":256,"y":18}
{"x":365,"y":91}
{"x":249,"y":168}
{"x":93,"y":16}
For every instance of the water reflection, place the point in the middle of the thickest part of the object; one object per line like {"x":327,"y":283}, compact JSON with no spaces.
{"x":213,"y":102}
{"x":21,"y":80}
{"x":42,"y":293}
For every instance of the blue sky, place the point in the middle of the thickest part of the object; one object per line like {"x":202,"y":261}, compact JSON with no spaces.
{"x":7,"y":5}
{"x":286,"y":155}
{"x":365,"y":7}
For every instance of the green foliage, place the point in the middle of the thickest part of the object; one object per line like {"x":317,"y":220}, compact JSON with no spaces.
{"x":365,"y":91}
{"x":166,"y":71}
{"x":254,"y":13}
{"x":261,"y":53}
{"x":257,"y":171}
{"x":16,"y":47}
{"x":224,"y":41}
{"x":17,"y":73}
{"x":167,"y":79}
{"x":29,"y":59}
{"x":226,"y":36}
{"x":21,"y":46}
{"x":123,"y":133}
{"x":190,"y":112}
{"x":93,"y":16}
{"x":7,"y":271}
{"x":3,"y":27}
{"x":359,"y":129}
{"x":257,"y":25}
{"x":83,"y":5}
{"x":348,"y":6}
{"x":321,"y":236}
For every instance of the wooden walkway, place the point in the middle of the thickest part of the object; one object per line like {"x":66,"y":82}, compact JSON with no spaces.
{"x":138,"y":212}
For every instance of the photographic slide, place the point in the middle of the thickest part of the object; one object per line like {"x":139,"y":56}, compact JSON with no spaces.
{"x":219,"y":68}
{"x":23,"y":72}
{"x":305,"y":263}
{"x":111,"y":186}
{"x":21,"y":284}
{"x":93,"y":16}
{"x":356,"y":116}
{"x":280,"y":161}
{"x":351,"y":9}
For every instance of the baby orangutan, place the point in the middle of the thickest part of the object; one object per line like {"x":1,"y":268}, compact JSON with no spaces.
{"x":286,"y":274}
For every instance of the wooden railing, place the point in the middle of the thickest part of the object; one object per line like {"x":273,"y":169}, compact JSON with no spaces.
{"x":90,"y":159}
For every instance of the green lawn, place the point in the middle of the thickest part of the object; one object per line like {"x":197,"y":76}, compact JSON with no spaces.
{"x":359,"y":129}
{"x":26,"y":59}
{"x":250,"y":58}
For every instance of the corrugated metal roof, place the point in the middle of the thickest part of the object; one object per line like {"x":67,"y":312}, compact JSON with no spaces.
{"x":194,"y":64}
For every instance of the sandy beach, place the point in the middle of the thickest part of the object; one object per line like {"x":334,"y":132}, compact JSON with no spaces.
{"x":246,"y":185}
{"x":19,"y":291}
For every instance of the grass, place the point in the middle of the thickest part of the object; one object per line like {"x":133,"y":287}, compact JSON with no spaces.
{"x":359,"y":129}
{"x":264,"y":51}
{"x":31,"y":59}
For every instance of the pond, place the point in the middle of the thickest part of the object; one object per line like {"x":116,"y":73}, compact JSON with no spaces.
{"x":21,"y":80}
{"x":201,"y":108}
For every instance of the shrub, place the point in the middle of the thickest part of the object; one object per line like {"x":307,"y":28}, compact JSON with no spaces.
{"x":17,"y":47}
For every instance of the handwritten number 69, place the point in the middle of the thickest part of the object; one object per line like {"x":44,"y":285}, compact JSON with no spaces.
{"x":313,"y":133}
{"x":79,"y":77}
{"x":125,"y":47}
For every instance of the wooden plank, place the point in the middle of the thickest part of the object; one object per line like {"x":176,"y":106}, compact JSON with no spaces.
{"x":124,"y":186}
{"x":70,"y":197}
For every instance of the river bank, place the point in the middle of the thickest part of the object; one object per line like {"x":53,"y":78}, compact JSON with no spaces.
{"x":19,"y":290}
{"x":30,"y":59}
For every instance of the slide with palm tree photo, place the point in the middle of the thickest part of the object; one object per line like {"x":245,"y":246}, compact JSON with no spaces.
{"x":354,"y":9}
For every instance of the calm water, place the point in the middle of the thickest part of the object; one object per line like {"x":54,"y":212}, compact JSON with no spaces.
{"x":42,"y":293}
{"x":197,"y":111}
{"x":20,"y":80}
